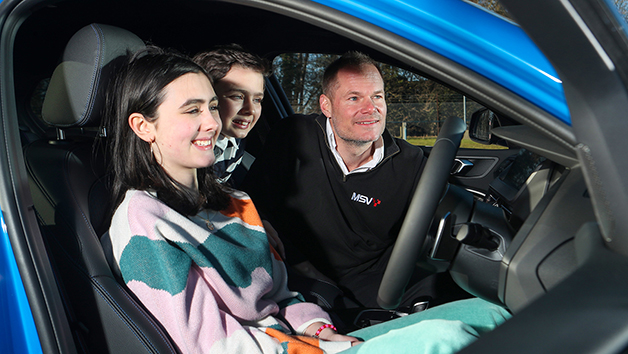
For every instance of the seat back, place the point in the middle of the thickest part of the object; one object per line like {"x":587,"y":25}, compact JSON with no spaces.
{"x":69,"y":184}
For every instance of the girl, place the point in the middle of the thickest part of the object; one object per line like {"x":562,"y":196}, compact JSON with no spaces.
{"x":197,"y":255}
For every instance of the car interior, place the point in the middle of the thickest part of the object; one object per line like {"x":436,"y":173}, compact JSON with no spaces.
{"x":505,"y":227}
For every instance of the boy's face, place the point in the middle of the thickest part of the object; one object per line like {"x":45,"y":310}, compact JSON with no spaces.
{"x":240,"y":93}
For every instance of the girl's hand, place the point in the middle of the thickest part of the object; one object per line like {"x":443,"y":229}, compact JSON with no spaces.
{"x":342,"y":338}
{"x":329,"y":334}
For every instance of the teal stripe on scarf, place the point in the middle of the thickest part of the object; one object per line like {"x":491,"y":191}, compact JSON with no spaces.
{"x":234,"y":251}
{"x":144,"y":260}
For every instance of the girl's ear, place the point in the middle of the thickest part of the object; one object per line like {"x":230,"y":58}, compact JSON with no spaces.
{"x":141,"y":127}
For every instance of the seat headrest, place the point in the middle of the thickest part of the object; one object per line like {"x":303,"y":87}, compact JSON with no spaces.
{"x":76,"y":92}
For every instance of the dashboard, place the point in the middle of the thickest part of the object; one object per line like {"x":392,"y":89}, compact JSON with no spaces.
{"x":520,"y":186}
{"x":533,"y":211}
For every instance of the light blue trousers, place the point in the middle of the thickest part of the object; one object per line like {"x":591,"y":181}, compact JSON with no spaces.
{"x":443,"y":329}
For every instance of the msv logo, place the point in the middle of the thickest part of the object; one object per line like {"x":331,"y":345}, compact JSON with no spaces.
{"x":365,"y":200}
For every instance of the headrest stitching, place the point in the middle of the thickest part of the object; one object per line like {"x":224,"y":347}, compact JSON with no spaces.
{"x":89,"y":105}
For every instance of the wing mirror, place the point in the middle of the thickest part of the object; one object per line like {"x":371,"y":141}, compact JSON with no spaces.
{"x":482,"y":121}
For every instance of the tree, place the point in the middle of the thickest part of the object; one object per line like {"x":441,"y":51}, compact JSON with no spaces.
{"x":622,"y":7}
{"x":422,"y":104}
{"x":300,"y":75}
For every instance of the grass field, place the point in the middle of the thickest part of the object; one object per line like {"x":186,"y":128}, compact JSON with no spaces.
{"x":466,"y":143}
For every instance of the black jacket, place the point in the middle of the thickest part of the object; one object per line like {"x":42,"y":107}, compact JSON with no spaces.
{"x":343,"y":224}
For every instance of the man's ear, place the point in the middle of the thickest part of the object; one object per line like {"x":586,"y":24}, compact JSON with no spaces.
{"x":325,"y":104}
{"x":141,"y":127}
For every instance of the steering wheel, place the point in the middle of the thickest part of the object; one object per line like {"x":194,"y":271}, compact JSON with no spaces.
{"x":422,"y":208}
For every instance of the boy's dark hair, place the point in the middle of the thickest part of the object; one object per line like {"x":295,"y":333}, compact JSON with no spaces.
{"x":139,"y":88}
{"x":353,"y":60}
{"x":218,"y":62}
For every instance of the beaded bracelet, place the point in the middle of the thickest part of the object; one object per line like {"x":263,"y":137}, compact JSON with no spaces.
{"x":323,"y":327}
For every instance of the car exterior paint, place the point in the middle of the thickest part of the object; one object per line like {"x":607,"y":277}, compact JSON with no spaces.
{"x":17,"y":327}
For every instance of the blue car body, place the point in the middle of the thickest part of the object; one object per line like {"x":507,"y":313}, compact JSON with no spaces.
{"x":17,"y":328}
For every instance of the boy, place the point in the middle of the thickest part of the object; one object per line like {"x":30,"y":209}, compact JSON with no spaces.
{"x":238,"y":78}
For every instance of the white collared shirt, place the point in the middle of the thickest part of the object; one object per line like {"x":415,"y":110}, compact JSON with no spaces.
{"x":378,"y":155}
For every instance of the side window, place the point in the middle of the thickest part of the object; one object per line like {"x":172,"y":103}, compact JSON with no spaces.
{"x":300,"y":76}
{"x":417,"y":106}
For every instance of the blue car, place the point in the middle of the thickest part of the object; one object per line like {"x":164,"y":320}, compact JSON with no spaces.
{"x":530,"y":217}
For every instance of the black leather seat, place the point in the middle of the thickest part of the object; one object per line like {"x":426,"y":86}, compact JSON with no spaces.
{"x":68,"y":181}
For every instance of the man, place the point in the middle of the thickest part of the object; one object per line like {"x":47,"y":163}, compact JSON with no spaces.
{"x":239,"y":83}
{"x":337,"y":186}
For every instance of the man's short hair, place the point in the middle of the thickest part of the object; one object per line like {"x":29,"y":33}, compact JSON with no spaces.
{"x":354,"y":60}
{"x":219,"y":61}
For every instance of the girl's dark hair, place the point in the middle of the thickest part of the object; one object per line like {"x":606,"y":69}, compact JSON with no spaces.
{"x":139,"y":88}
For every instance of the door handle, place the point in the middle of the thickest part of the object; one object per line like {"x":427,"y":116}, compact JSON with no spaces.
{"x":461,"y":166}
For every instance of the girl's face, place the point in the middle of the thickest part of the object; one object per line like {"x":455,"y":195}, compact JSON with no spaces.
{"x":186,"y":128}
